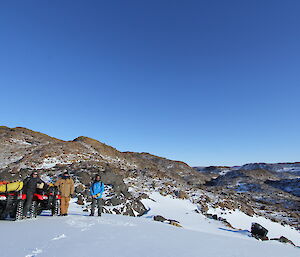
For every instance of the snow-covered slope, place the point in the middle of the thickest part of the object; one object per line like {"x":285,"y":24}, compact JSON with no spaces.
{"x":116,"y":235}
{"x":185,"y":212}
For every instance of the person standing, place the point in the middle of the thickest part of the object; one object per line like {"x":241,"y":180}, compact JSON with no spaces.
{"x":66,"y":188}
{"x":29,"y":188}
{"x":96,"y":191}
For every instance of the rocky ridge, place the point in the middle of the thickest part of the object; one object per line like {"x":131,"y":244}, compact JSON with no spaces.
{"x":130,"y":176}
{"x":23,"y":150}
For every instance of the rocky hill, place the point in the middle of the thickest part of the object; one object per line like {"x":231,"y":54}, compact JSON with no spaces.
{"x":131,"y":176}
{"x":22,"y":150}
{"x":262,"y":189}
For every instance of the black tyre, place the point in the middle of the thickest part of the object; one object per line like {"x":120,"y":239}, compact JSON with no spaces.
{"x":33,"y":210}
{"x":2,"y":213}
{"x":39,"y":209}
{"x":56,"y":208}
{"x":19,"y":210}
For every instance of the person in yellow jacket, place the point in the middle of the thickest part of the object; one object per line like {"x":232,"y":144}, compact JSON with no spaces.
{"x":66,"y":188}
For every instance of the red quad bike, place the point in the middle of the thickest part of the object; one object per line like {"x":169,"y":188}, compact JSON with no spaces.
{"x":11,"y":205}
{"x":45,"y":199}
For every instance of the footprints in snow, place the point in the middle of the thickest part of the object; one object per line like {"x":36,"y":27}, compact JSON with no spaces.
{"x":59,"y":237}
{"x":86,"y":223}
{"x":82,"y":223}
{"x":37,"y":251}
{"x":34,"y":253}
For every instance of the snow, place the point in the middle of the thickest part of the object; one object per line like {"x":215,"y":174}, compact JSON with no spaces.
{"x":180,"y":210}
{"x":50,"y":162}
{"x":184,"y":211}
{"x":225,"y":171}
{"x":20,"y":142}
{"x":6,"y":160}
{"x":79,"y":235}
{"x":240,"y":220}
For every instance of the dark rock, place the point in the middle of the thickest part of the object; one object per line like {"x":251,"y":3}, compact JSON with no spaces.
{"x":143,"y":196}
{"x":208,"y":215}
{"x":84,"y":177}
{"x":116,"y":211}
{"x":181,"y":194}
{"x":79,"y":189}
{"x":174,"y":223}
{"x":129,"y":212}
{"x":159,"y":218}
{"x":80,"y":200}
{"x":259,"y":232}
{"x":116,"y":201}
{"x":283,"y":239}
{"x":215,"y":217}
{"x":170,"y":221}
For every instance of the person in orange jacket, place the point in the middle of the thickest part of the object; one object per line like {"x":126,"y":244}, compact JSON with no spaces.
{"x":66,"y":188}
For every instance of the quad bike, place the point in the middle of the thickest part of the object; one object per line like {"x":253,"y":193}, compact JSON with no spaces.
{"x":45,"y":199}
{"x":11,"y":200}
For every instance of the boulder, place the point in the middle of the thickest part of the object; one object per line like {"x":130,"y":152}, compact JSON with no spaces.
{"x":143,"y":196}
{"x":116,"y":201}
{"x":80,"y":200}
{"x":259,"y":232}
{"x":176,"y":224}
{"x":247,"y":209}
{"x":204,"y":207}
{"x":283,"y":239}
{"x":159,"y":218}
{"x":169,"y":221}
{"x":181,"y":194}
{"x":215,"y":217}
{"x":208,"y":215}
{"x":84,"y":177}
{"x":80,"y":188}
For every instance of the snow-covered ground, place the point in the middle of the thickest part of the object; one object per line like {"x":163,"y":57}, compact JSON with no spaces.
{"x":79,"y":235}
{"x":240,"y":220}
{"x":184,"y":212}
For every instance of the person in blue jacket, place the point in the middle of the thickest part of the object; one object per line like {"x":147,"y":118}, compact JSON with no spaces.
{"x":96,"y":190}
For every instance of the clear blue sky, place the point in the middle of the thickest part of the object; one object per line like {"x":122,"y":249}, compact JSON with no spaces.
{"x":205,"y":82}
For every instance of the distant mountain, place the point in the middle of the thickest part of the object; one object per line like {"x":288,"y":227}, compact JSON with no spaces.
{"x":214,"y":171}
{"x":265,"y":187}
{"x":293,"y":168}
{"x":291,"y":186}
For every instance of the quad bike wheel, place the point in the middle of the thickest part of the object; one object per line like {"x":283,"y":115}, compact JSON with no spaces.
{"x":56,"y":208}
{"x":2,"y":213}
{"x":19,"y":210}
{"x":33,"y":210}
{"x":39,"y":209}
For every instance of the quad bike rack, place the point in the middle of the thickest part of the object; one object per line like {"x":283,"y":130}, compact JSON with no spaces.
{"x":12,"y":204}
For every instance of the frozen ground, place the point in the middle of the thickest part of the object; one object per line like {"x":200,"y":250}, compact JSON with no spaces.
{"x":79,"y":235}
{"x":240,"y":220}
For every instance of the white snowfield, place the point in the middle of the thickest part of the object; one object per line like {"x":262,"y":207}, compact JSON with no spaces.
{"x":79,"y":235}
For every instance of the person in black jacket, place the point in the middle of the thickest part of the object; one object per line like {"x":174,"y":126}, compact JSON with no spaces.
{"x":29,"y":188}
